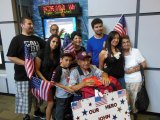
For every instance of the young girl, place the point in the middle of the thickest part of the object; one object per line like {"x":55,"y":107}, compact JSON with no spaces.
{"x":111,"y":60}
{"x":46,"y":61}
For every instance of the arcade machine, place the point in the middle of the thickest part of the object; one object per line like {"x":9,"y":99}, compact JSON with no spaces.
{"x":64,"y":15}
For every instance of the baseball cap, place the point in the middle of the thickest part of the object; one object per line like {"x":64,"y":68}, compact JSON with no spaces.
{"x":82,"y":55}
{"x":67,"y":54}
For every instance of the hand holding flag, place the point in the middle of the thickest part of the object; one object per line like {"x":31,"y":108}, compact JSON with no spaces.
{"x":41,"y":88}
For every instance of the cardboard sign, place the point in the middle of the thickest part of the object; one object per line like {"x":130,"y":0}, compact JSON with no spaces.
{"x":112,"y":106}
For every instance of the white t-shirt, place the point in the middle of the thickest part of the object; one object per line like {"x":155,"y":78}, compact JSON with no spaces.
{"x":134,"y":58}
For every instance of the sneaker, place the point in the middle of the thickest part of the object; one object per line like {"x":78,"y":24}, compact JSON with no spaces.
{"x":27,"y":117}
{"x":39,"y":114}
{"x":129,"y":108}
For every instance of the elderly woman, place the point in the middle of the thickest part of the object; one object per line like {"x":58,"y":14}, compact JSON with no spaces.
{"x":133,"y":78}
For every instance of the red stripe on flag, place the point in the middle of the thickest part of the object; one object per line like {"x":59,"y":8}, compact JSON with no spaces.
{"x":41,"y":88}
{"x":120,"y":27}
{"x":29,"y":62}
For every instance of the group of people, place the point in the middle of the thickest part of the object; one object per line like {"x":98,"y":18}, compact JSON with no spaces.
{"x":105,"y":55}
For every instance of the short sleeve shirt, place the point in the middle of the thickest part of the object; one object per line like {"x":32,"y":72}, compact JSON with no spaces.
{"x":94,"y":46}
{"x":76,"y":78}
{"x":16,"y":49}
{"x":64,"y":80}
{"x":134,"y":58}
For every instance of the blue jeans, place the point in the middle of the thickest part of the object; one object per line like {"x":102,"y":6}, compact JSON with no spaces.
{"x":122,"y":82}
{"x":63,"y":109}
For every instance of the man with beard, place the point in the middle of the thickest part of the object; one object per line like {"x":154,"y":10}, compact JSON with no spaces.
{"x":96,"y":43}
{"x":16,"y":54}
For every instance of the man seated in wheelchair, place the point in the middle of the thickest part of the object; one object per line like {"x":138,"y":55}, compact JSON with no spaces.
{"x":86,"y":70}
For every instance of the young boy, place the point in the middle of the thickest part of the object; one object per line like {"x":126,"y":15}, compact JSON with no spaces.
{"x":85,"y":70}
{"x":63,"y":98}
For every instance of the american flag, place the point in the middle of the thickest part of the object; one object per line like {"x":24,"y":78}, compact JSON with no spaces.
{"x":69,"y":48}
{"x":29,"y":62}
{"x":40,"y":88}
{"x":121,"y":93}
{"x":121,"y":27}
{"x":100,"y":101}
{"x":76,"y":105}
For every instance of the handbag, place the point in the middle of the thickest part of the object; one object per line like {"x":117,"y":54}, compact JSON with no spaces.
{"x":142,"y":101}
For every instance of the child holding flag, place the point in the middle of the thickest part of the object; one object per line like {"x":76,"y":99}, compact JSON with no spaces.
{"x":63,"y":98}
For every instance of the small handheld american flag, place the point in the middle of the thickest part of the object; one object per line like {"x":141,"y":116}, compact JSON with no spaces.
{"x":121,"y":27}
{"x":69,"y":48}
{"x":40,"y":88}
{"x":29,"y":62}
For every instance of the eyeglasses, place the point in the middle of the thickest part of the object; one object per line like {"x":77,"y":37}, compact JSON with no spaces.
{"x":54,"y":29}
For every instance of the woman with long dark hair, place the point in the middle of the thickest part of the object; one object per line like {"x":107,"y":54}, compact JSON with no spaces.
{"x":111,"y":60}
{"x":46,"y":61}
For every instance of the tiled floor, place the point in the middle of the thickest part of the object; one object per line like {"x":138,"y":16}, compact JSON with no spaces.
{"x":7,"y":110}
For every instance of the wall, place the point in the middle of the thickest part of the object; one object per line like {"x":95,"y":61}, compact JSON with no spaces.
{"x":8,"y":27}
{"x":143,"y":21}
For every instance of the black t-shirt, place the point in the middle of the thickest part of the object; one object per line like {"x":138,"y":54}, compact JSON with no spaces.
{"x":114,"y":67}
{"x":47,"y":72}
{"x":57,"y":74}
{"x":80,"y":50}
{"x":16,"y":49}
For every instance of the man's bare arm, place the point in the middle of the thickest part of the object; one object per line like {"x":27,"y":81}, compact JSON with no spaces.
{"x":81,"y":85}
{"x":16,"y":60}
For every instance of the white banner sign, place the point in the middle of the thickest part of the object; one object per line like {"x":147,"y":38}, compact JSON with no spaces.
{"x":112,"y":106}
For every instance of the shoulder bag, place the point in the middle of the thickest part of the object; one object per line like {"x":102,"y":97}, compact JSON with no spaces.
{"x":142,"y":101}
